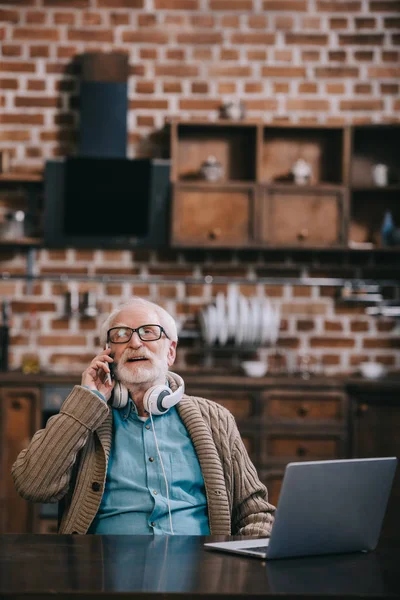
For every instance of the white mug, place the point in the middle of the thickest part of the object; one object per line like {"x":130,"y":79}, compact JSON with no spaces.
{"x":380,"y":175}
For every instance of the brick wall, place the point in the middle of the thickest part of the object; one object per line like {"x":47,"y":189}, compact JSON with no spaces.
{"x":296,"y":60}
{"x":315,"y":323}
{"x":302,"y":61}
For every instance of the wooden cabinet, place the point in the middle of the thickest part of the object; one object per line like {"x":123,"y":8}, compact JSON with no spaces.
{"x":375,"y":432}
{"x":371,"y":198}
{"x":23,"y":192}
{"x":255,"y":202}
{"x":20,"y":413}
{"x":290,"y":216}
{"x":281,"y":422}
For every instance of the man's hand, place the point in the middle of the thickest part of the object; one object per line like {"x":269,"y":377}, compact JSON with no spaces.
{"x":98,"y":374}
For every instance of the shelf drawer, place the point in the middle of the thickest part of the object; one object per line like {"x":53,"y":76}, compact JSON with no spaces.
{"x":240,"y":404}
{"x":304,"y":407}
{"x":290,"y":447}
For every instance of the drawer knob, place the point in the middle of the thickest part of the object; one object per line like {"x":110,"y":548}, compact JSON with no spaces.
{"x":303,"y":234}
{"x":16,"y":405}
{"x":303,"y":410}
{"x":215,"y":233}
{"x":301,"y":451}
{"x":363,"y":408}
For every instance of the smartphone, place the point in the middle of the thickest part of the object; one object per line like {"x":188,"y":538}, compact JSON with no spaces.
{"x":109,"y":376}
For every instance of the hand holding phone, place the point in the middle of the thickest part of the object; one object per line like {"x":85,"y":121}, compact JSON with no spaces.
{"x":98,"y":375}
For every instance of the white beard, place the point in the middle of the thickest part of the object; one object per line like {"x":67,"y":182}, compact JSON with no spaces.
{"x":150,"y":372}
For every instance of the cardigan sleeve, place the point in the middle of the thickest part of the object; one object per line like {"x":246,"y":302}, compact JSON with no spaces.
{"x":42,"y":471}
{"x":252,"y":514}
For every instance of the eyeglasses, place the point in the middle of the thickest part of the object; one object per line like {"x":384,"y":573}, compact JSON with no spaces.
{"x":147,"y":333}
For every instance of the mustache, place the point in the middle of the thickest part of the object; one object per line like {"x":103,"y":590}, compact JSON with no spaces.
{"x":128,"y":355}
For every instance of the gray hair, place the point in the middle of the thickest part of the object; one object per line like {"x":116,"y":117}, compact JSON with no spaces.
{"x":166,"y":320}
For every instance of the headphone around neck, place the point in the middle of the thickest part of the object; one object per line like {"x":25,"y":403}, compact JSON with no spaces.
{"x":157,"y":399}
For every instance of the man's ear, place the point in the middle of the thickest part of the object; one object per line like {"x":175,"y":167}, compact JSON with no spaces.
{"x":171,"y":353}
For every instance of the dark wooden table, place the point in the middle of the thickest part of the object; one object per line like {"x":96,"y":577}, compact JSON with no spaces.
{"x":77,"y":567}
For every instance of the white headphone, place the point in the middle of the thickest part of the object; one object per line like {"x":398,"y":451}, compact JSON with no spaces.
{"x":157,"y":400}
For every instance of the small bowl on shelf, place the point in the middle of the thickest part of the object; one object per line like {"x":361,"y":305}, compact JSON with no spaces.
{"x":254,"y":368}
{"x":372,"y":370}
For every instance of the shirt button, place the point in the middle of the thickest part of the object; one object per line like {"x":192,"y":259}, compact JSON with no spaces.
{"x":154,"y":492}
{"x":96,"y":486}
{"x":151,"y":459}
{"x":152,"y":524}
{"x":147,"y":426}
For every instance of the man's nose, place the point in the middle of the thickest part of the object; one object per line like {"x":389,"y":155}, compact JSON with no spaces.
{"x":135,"y":341}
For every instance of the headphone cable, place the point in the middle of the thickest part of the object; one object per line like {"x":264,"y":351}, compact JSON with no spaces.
{"x":163,"y":470}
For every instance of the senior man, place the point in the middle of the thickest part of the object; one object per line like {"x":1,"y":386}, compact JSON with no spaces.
{"x":131,"y":453}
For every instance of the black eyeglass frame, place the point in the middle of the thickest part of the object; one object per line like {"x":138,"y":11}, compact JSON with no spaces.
{"x":162,"y":331}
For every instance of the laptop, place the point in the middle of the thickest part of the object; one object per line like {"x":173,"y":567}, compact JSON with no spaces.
{"x":325,"y":507}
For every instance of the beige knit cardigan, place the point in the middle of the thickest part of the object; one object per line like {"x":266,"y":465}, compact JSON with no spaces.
{"x":68,"y":460}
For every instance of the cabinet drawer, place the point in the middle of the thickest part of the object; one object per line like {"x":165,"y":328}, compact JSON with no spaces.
{"x":293,"y":217}
{"x":301,"y":447}
{"x":207,"y":216}
{"x":312,"y":406}
{"x":240,"y":404}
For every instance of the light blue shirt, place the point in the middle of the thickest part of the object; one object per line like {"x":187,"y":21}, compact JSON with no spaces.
{"x":135,"y":496}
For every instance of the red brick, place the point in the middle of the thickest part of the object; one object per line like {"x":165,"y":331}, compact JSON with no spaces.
{"x":331,"y":342}
{"x":359,"y":326}
{"x":149,"y":36}
{"x":391,"y":23}
{"x":390,"y":56}
{"x":389,"y":88}
{"x":39,"y":51}
{"x":376,"y":343}
{"x":149,"y":53}
{"x":312,"y":23}
{"x":176,"y":4}
{"x":200,"y":87}
{"x":6,"y":83}
{"x":286,"y":72}
{"x":145,"y":87}
{"x":14,"y":135}
{"x":227,"y":87}
{"x":66,"y":51}
{"x":284,"y":23}
{"x":119,"y":18}
{"x":337,"y":55}
{"x":365,"y":23}
{"x":310,"y":56}
{"x":199,"y":104}
{"x":333,"y":326}
{"x":306,"y":39}
{"x":256,"y":55}
{"x":67,"y":3}
{"x":12,"y":50}
{"x":361,"y":39}
{"x":283,"y":56}
{"x":35,"y":16}
{"x":281,"y":88}
{"x":335,"y":88}
{"x":337,"y":72}
{"x":362,"y":55}
{"x":17,"y":66}
{"x":207,"y":38}
{"x":178,"y":70}
{"x":384,"y":6}
{"x":174,"y":19}
{"x":229,"y":5}
{"x":384,"y":72}
{"x":329,"y":360}
{"x":147,"y":20}
{"x":307,"y":104}
{"x":361,"y":104}
{"x":202,"y":54}
{"x":64,"y":18}
{"x":36,"y":84}
{"x":148,"y":104}
{"x":305,"y":325}
{"x":36,"y":33}
{"x":338,"y":23}
{"x":338,"y":6}
{"x":228,"y":54}
{"x":262,"y":104}
{"x":256,"y":39}
{"x":90,"y":35}
{"x":9,"y":16}
{"x":308,"y":88}
{"x":203,"y":21}
{"x":229,"y":71}
{"x":145,"y":121}
{"x":91,"y":18}
{"x":285,"y":5}
{"x":38,"y":101}
{"x":172,"y":87}
{"x":362,"y":88}
{"x":230,"y":21}
{"x":253,"y":87}
{"x":257,"y":21}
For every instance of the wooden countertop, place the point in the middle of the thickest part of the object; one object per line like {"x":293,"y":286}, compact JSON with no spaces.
{"x":176,"y":567}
